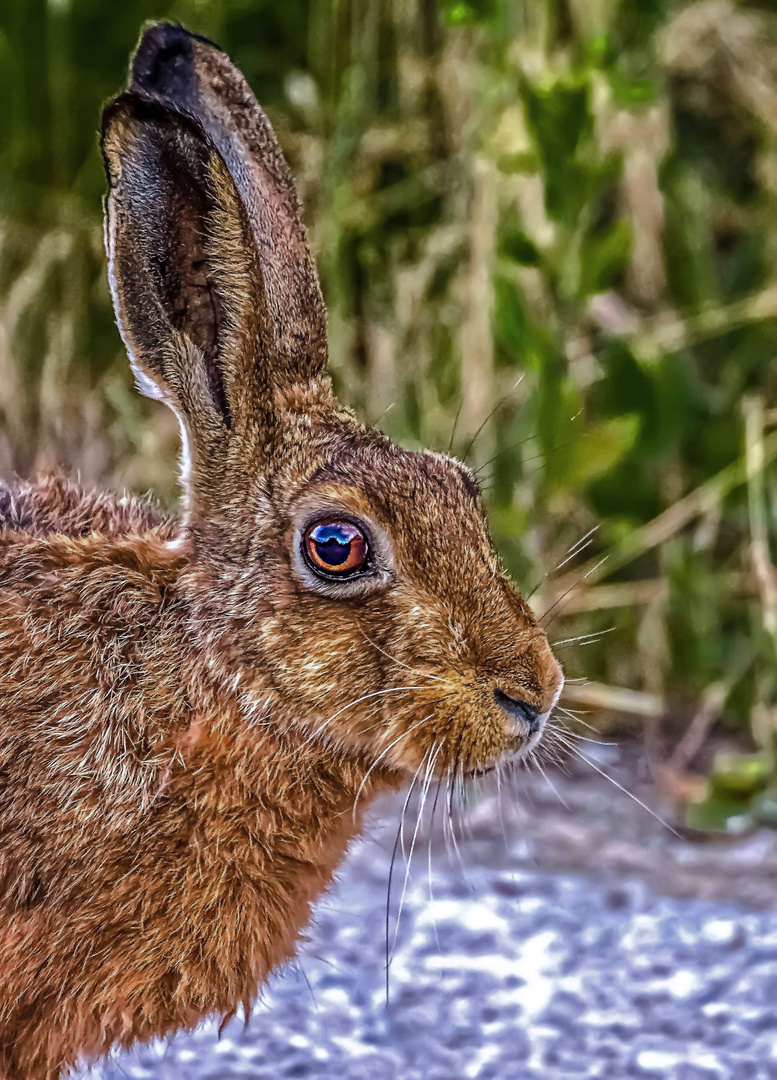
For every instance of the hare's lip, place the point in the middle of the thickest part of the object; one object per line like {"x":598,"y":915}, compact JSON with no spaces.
{"x":508,"y":757}
{"x":473,"y":774}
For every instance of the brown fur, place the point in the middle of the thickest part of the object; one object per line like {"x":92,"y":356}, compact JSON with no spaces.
{"x":187,"y":716}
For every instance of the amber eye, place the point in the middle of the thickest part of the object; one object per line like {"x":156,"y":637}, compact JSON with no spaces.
{"x":335,"y":549}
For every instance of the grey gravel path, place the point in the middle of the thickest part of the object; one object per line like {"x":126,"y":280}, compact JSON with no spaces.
{"x":582,"y":942}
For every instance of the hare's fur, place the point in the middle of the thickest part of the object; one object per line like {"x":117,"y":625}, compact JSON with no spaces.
{"x":189,"y":712}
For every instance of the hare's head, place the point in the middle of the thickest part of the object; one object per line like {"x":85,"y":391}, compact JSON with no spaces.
{"x":353,"y":580}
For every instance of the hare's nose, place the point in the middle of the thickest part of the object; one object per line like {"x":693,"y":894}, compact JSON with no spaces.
{"x":519,"y":710}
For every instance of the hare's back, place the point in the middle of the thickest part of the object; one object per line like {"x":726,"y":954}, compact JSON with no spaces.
{"x":92,"y":696}
{"x":59,"y":504}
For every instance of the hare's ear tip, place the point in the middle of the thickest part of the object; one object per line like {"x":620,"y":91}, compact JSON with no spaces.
{"x":163,"y":60}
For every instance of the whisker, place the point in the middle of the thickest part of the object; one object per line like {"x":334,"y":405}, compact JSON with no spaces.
{"x":550,"y":783}
{"x":415,"y":671}
{"x":451,"y":794}
{"x":384,"y":413}
{"x":540,"y":583}
{"x":543,"y":455}
{"x":568,"y":591}
{"x":574,"y":555}
{"x":455,"y":425}
{"x":620,"y":787}
{"x":507,"y":450}
{"x":553,"y":755}
{"x":500,"y":804}
{"x":585,"y":639}
{"x":358,"y":701}
{"x":424,"y":793}
{"x":575,"y":719}
{"x":399,"y":840}
{"x":493,"y":412}
{"x":379,"y":722}
{"x":578,"y":546}
{"x":304,"y":975}
{"x":404,"y":808}
{"x":388,"y":911}
{"x":429,"y":862}
{"x":581,"y":545}
{"x":581,"y":738}
{"x":383,"y":753}
{"x":558,"y":754}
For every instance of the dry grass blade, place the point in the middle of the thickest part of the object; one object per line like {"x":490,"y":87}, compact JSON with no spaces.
{"x":760,"y":557}
{"x":614,"y":698}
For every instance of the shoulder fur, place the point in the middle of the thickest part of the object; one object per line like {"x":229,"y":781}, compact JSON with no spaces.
{"x":58,"y":504}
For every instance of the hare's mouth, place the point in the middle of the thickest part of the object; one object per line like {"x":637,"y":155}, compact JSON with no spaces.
{"x":518,"y":752}
{"x":475,"y":774}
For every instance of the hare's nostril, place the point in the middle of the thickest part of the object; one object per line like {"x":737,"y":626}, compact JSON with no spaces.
{"x":519,"y":710}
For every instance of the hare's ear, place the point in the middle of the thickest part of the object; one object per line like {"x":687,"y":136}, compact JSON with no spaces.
{"x":215,"y":290}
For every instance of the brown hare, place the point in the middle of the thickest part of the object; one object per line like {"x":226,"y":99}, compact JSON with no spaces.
{"x":195,"y":712}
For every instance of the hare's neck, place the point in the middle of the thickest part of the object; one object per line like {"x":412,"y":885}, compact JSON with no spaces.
{"x":272,"y":817}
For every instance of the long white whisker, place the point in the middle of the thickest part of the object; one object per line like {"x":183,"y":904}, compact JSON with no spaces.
{"x":550,"y":783}
{"x":584,"y":637}
{"x":429,"y":863}
{"x":625,"y":790}
{"x":424,"y":793}
{"x":378,"y":759}
{"x":582,"y":540}
{"x":574,"y":554}
{"x":358,"y":701}
{"x":404,"y":809}
{"x":575,"y":717}
{"x":554,"y":742}
{"x":581,"y":545}
{"x":580,"y":738}
{"x":564,"y":595}
{"x":572,"y":712}
{"x":454,"y":841}
{"x":401,"y":663}
{"x":595,"y":567}
{"x":499,"y":803}
{"x":445,"y":816}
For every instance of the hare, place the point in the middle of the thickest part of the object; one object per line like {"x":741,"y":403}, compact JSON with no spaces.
{"x":195,"y":712}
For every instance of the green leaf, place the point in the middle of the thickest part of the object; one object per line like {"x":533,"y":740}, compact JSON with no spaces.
{"x":715,"y":814}
{"x":739,"y":776}
{"x":558,"y":117}
{"x":605,"y":256}
{"x":597,"y":451}
{"x":467,"y":12}
{"x":516,"y":245}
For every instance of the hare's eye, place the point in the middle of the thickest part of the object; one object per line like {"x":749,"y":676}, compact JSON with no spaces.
{"x":335,"y":549}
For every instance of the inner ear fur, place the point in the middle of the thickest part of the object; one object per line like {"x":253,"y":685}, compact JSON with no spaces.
{"x":215,"y":289}
{"x":182,"y":263}
{"x":190,"y":74}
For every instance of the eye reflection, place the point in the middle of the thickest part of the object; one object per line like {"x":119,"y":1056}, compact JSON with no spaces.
{"x":335,"y":548}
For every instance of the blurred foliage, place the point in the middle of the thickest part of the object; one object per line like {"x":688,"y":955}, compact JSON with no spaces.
{"x":546,"y":232}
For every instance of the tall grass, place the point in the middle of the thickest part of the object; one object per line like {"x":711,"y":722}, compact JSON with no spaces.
{"x":546,"y":232}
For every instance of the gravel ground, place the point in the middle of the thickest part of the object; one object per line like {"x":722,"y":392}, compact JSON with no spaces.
{"x":575,"y":941}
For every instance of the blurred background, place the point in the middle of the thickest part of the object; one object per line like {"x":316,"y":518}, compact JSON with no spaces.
{"x":546,"y":232}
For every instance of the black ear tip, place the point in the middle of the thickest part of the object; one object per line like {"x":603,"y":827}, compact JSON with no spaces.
{"x":164,"y":61}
